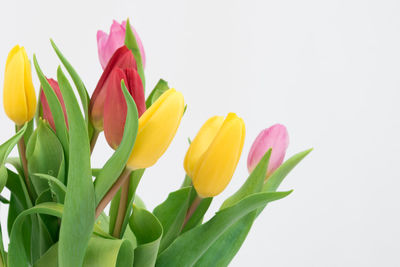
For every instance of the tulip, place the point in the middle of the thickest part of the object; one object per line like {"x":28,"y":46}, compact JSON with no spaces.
{"x":107,"y":44}
{"x":276,"y":138}
{"x":45,"y":105}
{"x":157,"y":128}
{"x":214,"y":153}
{"x":115,"y":107}
{"x":123,"y":59}
{"x":19,"y":97}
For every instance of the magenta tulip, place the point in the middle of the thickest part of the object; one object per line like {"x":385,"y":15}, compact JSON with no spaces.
{"x":115,"y":107}
{"x":107,"y":44}
{"x":276,"y":138}
{"x":45,"y":105}
{"x":123,"y":59}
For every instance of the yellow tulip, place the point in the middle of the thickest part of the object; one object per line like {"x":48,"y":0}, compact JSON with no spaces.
{"x":214,"y":153}
{"x":19,"y":97}
{"x":157,"y":128}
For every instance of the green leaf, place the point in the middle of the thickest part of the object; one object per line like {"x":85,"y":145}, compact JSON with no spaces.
{"x":78,"y":219}
{"x":190,"y":246}
{"x":58,"y":188}
{"x":101,"y":252}
{"x":2,"y":252}
{"x":158,"y":90}
{"x":139,"y":202}
{"x":130,"y":42}
{"x":4,"y":200}
{"x":45,"y":155}
{"x":273,"y":182}
{"x":171,"y":214}
{"x":225,"y":248}
{"x":5,"y":150}
{"x":83,"y":94}
{"x":116,"y":164}
{"x":55,"y":108}
{"x":253,"y":184}
{"x":148,"y":232}
{"x":16,"y":254}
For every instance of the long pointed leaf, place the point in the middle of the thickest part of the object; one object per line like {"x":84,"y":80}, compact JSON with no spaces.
{"x":83,"y":94}
{"x":78,"y":219}
{"x":190,"y":246}
{"x":55,"y":107}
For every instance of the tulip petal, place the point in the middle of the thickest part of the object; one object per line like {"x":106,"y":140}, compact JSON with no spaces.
{"x":201,"y":142}
{"x":217,"y":165}
{"x":275,"y":137}
{"x":157,"y":128}
{"x":29,"y":89}
{"x":115,"y":109}
{"x":122,"y":58}
{"x":14,"y":99}
{"x":47,"y":115}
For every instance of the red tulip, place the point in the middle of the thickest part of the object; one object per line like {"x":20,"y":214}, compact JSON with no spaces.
{"x":115,"y":107}
{"x":45,"y":105}
{"x":123,"y":59}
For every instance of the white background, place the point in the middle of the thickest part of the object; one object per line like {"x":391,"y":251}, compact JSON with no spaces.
{"x":328,"y":70}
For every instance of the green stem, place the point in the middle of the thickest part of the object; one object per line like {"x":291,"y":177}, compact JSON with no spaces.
{"x":94,"y":140}
{"x":123,"y":203}
{"x":24,"y":162}
{"x":113,"y":191}
{"x":196,"y":202}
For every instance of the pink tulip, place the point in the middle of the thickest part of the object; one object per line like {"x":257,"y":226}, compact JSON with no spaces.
{"x":108,"y":43}
{"x":45,"y":105}
{"x":276,"y":138}
{"x":115,"y":108}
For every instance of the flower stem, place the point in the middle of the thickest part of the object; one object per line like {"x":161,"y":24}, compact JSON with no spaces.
{"x":196,"y":202}
{"x":113,"y":191}
{"x":123,"y":203}
{"x":24,"y":162}
{"x":93,"y":140}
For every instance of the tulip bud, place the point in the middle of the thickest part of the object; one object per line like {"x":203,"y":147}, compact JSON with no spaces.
{"x":276,"y":138}
{"x":107,"y":44}
{"x":214,"y":154}
{"x":123,"y":59}
{"x":157,"y":128}
{"x":19,"y":97}
{"x":115,"y":107}
{"x":45,"y":105}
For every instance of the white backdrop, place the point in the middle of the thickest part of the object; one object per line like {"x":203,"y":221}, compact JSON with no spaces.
{"x":328,"y":70}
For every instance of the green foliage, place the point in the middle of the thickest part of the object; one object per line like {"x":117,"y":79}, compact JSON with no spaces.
{"x":148,"y":231}
{"x":5,"y":150}
{"x":78,"y":218}
{"x":190,"y":246}
{"x":55,"y":108}
{"x":131,"y":43}
{"x":171,"y":214}
{"x":158,"y":90}
{"x":54,"y":224}
{"x":45,"y":155}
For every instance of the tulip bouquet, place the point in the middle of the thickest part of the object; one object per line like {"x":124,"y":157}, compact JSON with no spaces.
{"x":56,"y":208}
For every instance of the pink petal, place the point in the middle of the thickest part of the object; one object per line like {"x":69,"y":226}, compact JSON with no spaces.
{"x":276,"y":137}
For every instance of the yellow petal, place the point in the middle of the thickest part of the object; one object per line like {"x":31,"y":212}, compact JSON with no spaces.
{"x":29,"y":89}
{"x":201,"y":143}
{"x":217,"y":165}
{"x":157,"y":128}
{"x":14,"y":99}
